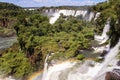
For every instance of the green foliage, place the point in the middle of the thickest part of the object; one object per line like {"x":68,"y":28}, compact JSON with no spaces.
{"x":118,"y":55}
{"x":110,"y":9}
{"x":80,"y":57}
{"x":37,"y":38}
{"x":101,"y":6}
{"x":98,"y":59}
{"x":9,"y":6}
{"x":65,"y":36}
{"x":15,"y":64}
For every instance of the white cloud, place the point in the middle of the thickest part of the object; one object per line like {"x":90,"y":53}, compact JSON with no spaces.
{"x":38,"y":3}
{"x":47,"y":0}
{"x":38,"y":0}
{"x":65,"y":2}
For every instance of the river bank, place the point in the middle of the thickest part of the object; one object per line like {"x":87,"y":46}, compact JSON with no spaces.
{"x":6,"y":42}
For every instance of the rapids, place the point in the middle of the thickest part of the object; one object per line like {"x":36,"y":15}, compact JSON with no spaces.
{"x":85,"y":14}
{"x":104,"y":37}
{"x":88,"y":70}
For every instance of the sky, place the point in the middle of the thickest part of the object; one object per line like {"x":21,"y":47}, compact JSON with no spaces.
{"x":39,"y":3}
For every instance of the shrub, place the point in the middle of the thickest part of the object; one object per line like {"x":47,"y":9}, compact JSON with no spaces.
{"x":80,"y":57}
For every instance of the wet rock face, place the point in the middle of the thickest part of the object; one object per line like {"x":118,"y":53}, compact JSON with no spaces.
{"x":114,"y":75}
{"x":108,"y":76}
{"x":118,"y":63}
{"x":104,"y":53}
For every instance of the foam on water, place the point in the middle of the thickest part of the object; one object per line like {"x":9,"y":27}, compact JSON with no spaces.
{"x":56,"y":70}
{"x":83,"y":13}
{"x":97,"y":15}
{"x":104,"y":37}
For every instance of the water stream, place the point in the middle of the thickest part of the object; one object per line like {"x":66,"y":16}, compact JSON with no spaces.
{"x":6,"y":42}
{"x":104,"y":37}
{"x":88,"y":16}
{"x":45,"y":67}
{"x":89,"y":70}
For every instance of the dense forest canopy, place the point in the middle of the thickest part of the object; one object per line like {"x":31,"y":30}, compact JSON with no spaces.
{"x":37,"y":37}
{"x":9,"y":14}
{"x":9,"y":6}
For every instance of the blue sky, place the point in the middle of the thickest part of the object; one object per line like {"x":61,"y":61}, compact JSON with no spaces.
{"x":39,"y":3}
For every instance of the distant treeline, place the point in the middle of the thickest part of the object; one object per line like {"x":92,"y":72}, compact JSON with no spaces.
{"x":9,"y":6}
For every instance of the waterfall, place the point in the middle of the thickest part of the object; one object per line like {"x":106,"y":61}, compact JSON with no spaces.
{"x":109,"y":60}
{"x":97,"y":15}
{"x":104,"y":37}
{"x":66,"y":71}
{"x":89,"y":70}
{"x":101,"y":48}
{"x":54,"y":18}
{"x":45,"y":67}
{"x":91,"y":16}
{"x":55,"y":70}
{"x":83,"y":13}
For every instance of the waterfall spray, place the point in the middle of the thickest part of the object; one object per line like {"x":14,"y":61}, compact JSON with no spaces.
{"x":45,"y":67}
{"x":104,"y":37}
{"x":84,"y":13}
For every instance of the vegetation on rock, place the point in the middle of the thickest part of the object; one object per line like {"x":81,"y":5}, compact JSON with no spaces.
{"x":110,"y":9}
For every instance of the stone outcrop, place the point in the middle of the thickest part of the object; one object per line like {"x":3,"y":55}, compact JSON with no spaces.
{"x":114,"y":75}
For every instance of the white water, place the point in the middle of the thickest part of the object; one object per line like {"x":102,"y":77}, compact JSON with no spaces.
{"x":99,"y":68}
{"x":84,"y":13}
{"x":81,"y":12}
{"x":66,"y":71}
{"x":85,"y":71}
{"x":101,"y":49}
{"x":97,"y":15}
{"x":54,"y":71}
{"x":54,"y":18}
{"x":91,"y":16}
{"x":104,"y":37}
{"x":45,"y":67}
{"x":7,"y":78}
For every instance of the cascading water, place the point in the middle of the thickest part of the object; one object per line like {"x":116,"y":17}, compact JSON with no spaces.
{"x":83,"y":72}
{"x":91,"y":16}
{"x":101,"y":49}
{"x":54,"y":18}
{"x":69,"y":71}
{"x":83,"y":13}
{"x":109,"y":60}
{"x":45,"y":67}
{"x":55,"y":70}
{"x":104,"y":37}
{"x":89,"y":70}
{"x":97,"y":15}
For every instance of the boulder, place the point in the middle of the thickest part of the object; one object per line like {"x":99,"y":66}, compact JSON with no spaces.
{"x":114,"y":75}
{"x":118,"y":63}
{"x":104,"y":53}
